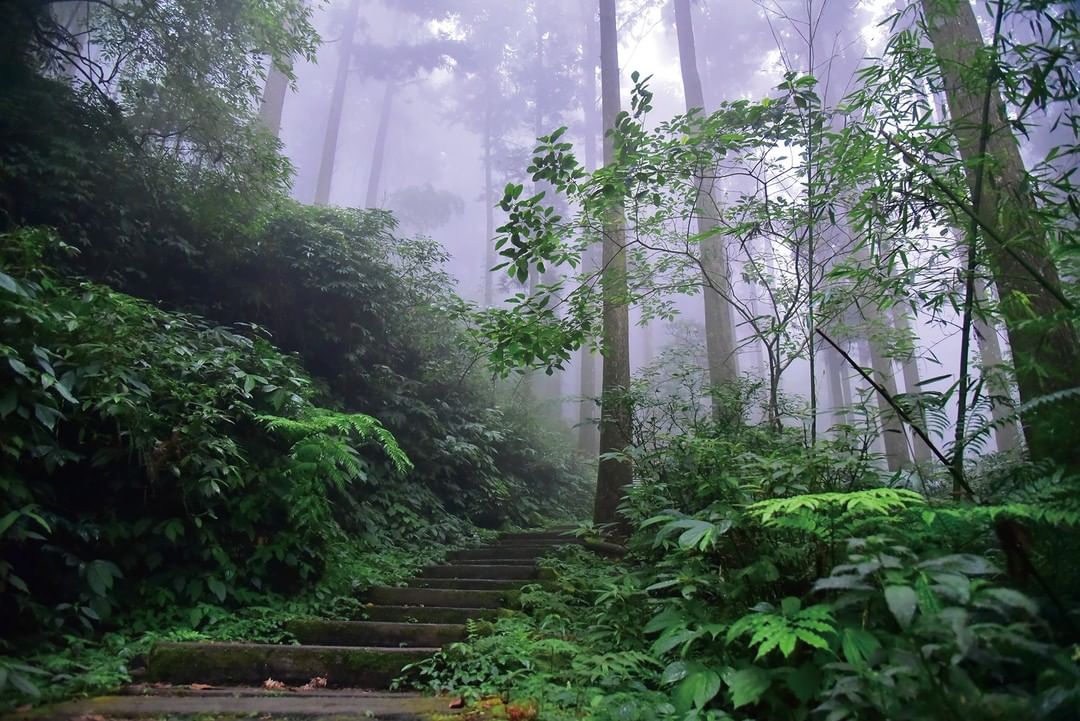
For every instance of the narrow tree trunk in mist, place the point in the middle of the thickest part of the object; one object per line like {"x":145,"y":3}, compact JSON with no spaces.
{"x":1006,"y":433}
{"x":1045,"y":354}
{"x":839,"y":388}
{"x":273,"y":100}
{"x":489,"y":207}
{"x":337,"y":104}
{"x":910,"y":368}
{"x":379,"y":152}
{"x":588,"y":433}
{"x":615,"y":413}
{"x":896,"y":448}
{"x":719,"y":331}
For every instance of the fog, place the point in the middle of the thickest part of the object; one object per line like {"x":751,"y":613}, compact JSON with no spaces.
{"x":458,"y":88}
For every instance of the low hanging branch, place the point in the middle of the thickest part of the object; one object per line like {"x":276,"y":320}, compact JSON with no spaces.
{"x":957,"y":475}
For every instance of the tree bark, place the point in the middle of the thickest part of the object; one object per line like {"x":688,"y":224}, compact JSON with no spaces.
{"x":613,"y":475}
{"x":378,"y":153}
{"x":489,"y":205}
{"x":896,"y":448}
{"x":1006,"y":433}
{"x":1046,"y":352}
{"x":719,"y":327}
{"x":337,"y":104}
{"x":273,"y":100}
{"x":588,"y":433}
{"x":910,"y":367}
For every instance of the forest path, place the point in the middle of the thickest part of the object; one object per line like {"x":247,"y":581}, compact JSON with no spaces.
{"x":357,"y":659}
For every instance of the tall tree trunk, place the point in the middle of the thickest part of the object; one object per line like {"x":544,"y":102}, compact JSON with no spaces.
{"x":910,"y":367}
{"x":1046,"y":353}
{"x":839,"y":388}
{"x":613,"y":475}
{"x":273,"y":100}
{"x":588,"y":433}
{"x":896,"y":448}
{"x":1006,"y":432}
{"x":719,"y":328}
{"x":337,"y":104}
{"x":379,"y":152}
{"x":489,"y":205}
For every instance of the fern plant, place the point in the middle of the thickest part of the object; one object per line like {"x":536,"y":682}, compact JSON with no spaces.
{"x":784,"y":628}
{"x":321,"y":441}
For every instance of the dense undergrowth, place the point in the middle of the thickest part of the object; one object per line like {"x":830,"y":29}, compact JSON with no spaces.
{"x":220,"y":408}
{"x":769,"y":580}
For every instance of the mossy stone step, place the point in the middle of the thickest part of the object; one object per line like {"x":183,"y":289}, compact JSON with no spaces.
{"x":430,"y":614}
{"x":475,"y":584}
{"x":458,"y":598}
{"x":503,"y":553}
{"x":253,"y":663}
{"x":374,"y":633}
{"x":489,"y":561}
{"x":147,"y":702}
{"x":479,"y":571}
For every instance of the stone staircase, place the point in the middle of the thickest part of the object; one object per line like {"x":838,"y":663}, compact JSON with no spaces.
{"x":358,"y":659}
{"x":403,"y":625}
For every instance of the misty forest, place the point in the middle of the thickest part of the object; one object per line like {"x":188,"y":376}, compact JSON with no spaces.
{"x":540,"y":359}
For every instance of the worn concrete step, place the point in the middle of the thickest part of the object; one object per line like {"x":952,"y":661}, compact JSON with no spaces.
{"x":474,"y":584}
{"x":374,"y":633}
{"x":502,"y":553}
{"x":478,"y":571}
{"x":253,"y":663}
{"x":147,"y":702}
{"x":429,"y":614}
{"x":458,"y":598}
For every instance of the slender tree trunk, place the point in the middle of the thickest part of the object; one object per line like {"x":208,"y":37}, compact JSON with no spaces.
{"x":1046,"y":353}
{"x":613,"y":475}
{"x":896,"y":448}
{"x":379,"y":153}
{"x":489,"y":207}
{"x":588,"y":433}
{"x":910,"y":367}
{"x":273,"y":100}
{"x":839,"y":390}
{"x":337,"y":104}
{"x":719,"y":330}
{"x":1006,"y":433}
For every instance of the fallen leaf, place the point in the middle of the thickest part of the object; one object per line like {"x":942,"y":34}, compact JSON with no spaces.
{"x":200,"y":686}
{"x":271,"y":684}
{"x":459,"y":702}
{"x":316,"y":682}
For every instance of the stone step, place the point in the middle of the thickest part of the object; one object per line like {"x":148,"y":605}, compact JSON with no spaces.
{"x":374,"y":633}
{"x":474,"y":584}
{"x":527,"y":562}
{"x":479,"y":571}
{"x":148,"y":702}
{"x":458,"y":598}
{"x":557,"y":532}
{"x":502,"y":553}
{"x":429,"y":614}
{"x":253,"y":663}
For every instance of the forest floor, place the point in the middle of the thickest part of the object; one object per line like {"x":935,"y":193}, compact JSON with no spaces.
{"x":340,"y":669}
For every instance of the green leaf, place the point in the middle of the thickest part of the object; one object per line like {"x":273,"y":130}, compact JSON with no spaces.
{"x":8,"y":283}
{"x":9,"y":520}
{"x":99,"y":575}
{"x":697,"y":689}
{"x":1013,"y":598}
{"x":217,"y":588}
{"x":902,"y":601}
{"x":8,"y":402}
{"x":747,"y":685}
{"x":858,"y":645}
